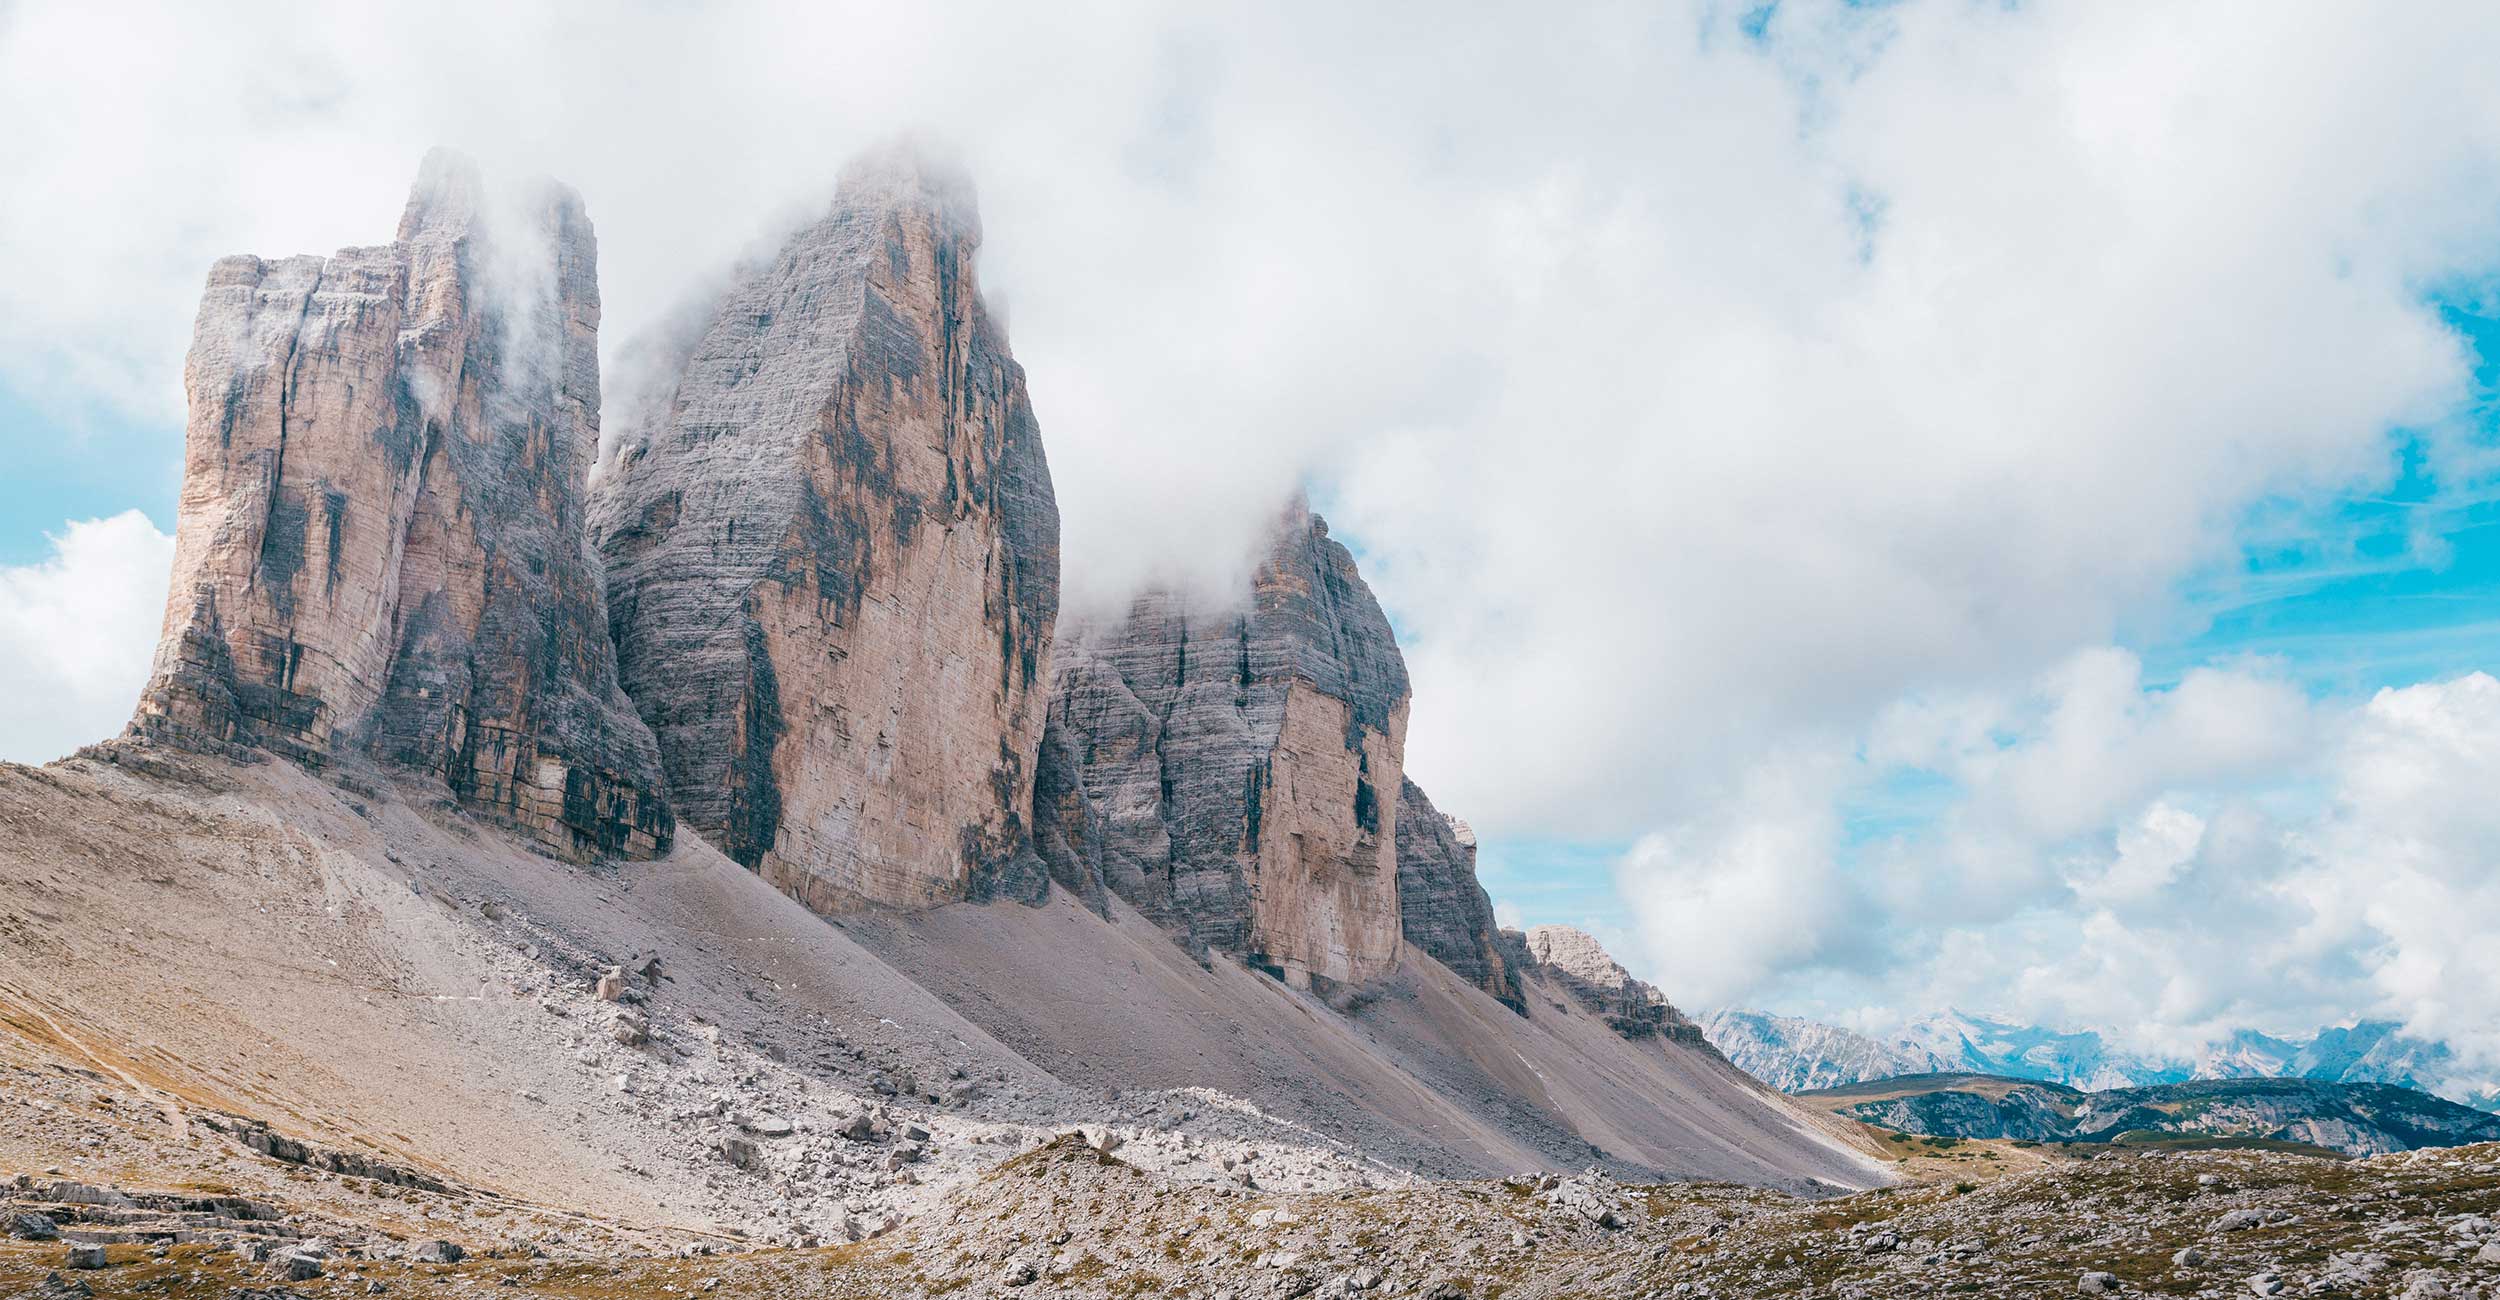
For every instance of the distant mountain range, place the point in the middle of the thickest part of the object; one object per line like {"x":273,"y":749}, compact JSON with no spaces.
{"x":1797,"y":1055}
{"x":2356,"y":1119}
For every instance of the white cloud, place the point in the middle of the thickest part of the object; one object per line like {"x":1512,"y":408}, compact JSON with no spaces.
{"x":2151,"y":852}
{"x":2275,"y":864}
{"x":2083,"y":747}
{"x":2401,"y":867}
{"x":1769,"y":377}
{"x":77,"y":630}
{"x":1724,"y":901}
{"x":1744,"y":471}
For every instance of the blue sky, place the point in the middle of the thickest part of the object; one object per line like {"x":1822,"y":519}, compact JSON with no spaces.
{"x":79,"y":461}
{"x":2365,"y":591}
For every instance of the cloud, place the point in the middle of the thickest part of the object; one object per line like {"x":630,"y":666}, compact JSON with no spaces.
{"x":1767,"y":374}
{"x":2400,"y":868}
{"x":77,"y":630}
{"x":1950,"y":347}
{"x":2150,"y":854}
{"x":1724,"y":901}
{"x":2083,"y":747}
{"x":2219,"y":854}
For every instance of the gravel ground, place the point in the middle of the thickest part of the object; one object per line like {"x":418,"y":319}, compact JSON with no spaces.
{"x":1068,"y":1219}
{"x":254,"y":1022}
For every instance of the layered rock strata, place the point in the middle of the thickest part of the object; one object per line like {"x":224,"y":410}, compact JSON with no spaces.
{"x":1443,"y":910}
{"x":833,"y":561}
{"x":382,"y":540}
{"x":1234,"y":772}
{"x":1573,"y":959}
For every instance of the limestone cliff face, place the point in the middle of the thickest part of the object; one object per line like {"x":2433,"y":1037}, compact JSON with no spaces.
{"x":1573,"y":959}
{"x":382,"y":540}
{"x":833,"y":561}
{"x":1443,"y":910}
{"x":1234,"y":773}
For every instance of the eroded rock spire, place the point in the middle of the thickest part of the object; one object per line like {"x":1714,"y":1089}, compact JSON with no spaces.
{"x":833,"y":560}
{"x":1235,"y":772}
{"x":382,"y":541}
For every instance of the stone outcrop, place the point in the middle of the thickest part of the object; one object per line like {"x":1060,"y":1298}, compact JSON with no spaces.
{"x":382,"y":541}
{"x":1573,"y":959}
{"x":1444,"y":911}
{"x":833,"y":561}
{"x":1234,"y":772}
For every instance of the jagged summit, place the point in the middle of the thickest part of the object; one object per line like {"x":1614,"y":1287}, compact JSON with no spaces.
{"x":1233,"y":772}
{"x":912,"y":173}
{"x":1575,"y":959}
{"x":449,"y":192}
{"x":833,"y":559}
{"x":380,"y":551}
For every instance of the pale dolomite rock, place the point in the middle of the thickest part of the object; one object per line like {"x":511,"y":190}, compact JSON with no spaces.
{"x":382,"y":541}
{"x":833,"y":561}
{"x":1574,"y":959}
{"x":1445,"y":912}
{"x":1233,"y":773}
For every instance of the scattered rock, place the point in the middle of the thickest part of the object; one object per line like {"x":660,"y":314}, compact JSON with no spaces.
{"x":57,"y":1287}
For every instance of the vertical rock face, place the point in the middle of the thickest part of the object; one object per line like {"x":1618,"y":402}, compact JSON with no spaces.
{"x":1234,"y":773}
{"x":1443,"y":910}
{"x":833,"y":561}
{"x":382,"y":545}
{"x":1574,"y":959}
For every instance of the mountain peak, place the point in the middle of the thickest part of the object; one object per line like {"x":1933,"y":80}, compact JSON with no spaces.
{"x":375,"y":415}
{"x":1278,"y":839}
{"x":834,"y":557}
{"x":1789,"y":1052}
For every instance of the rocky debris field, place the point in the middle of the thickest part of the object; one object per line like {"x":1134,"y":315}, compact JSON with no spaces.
{"x":803,"y":1139}
{"x":1069,"y":1217}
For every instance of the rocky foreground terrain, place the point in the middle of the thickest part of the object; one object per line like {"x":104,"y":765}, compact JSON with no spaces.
{"x":264,"y":1006}
{"x":1064,"y":1216}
